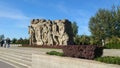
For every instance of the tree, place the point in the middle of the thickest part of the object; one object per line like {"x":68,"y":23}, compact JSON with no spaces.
{"x":26,"y":41}
{"x":93,"y":40}
{"x":117,"y":23}
{"x":14,"y":41}
{"x":105,"y":24}
{"x":75,"y":28}
{"x":82,"y":40}
{"x":85,"y":40}
{"x":20,"y":41}
{"x":75,"y":32}
{"x":2,"y":37}
{"x":77,"y":40}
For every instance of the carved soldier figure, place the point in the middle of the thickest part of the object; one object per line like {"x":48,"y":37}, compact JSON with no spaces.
{"x":55,"y":33}
{"x":65,"y":39}
{"x":39,"y":35}
{"x":32,"y":35}
{"x":50,"y":39}
{"x":44,"y":33}
{"x":61,"y":32}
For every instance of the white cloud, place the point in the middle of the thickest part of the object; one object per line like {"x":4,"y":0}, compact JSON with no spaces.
{"x":7,"y":11}
{"x":12,"y":15}
{"x":17,"y":18}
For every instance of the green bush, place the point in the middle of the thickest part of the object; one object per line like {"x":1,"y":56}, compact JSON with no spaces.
{"x":20,"y":41}
{"x":112,"y":46}
{"x":108,"y":59}
{"x":55,"y":53}
{"x":113,"y":43}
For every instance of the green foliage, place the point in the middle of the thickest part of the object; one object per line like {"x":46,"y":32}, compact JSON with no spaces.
{"x":113,"y":43}
{"x":105,"y":24}
{"x":55,"y":53}
{"x":75,"y":28}
{"x":2,"y":37}
{"x":113,"y":46}
{"x":77,"y":40}
{"x":14,"y":40}
{"x":110,"y":60}
{"x":82,"y":40}
{"x":20,"y":41}
{"x":93,"y":41}
{"x":75,"y":31}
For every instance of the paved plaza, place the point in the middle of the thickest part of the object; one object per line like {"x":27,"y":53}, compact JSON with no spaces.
{"x":21,"y":57}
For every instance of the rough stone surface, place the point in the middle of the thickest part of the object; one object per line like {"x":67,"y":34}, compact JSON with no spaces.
{"x":47,"y":32}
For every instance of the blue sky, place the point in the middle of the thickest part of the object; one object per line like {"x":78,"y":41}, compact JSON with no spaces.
{"x":15,"y":15}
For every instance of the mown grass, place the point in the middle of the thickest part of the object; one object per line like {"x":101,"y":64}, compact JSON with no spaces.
{"x":55,"y":53}
{"x":112,"y":46}
{"x":108,"y":59}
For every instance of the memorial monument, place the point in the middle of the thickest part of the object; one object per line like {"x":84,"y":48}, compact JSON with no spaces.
{"x":47,"y":32}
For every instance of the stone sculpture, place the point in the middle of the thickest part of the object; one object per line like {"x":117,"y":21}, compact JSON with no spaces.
{"x":47,"y":32}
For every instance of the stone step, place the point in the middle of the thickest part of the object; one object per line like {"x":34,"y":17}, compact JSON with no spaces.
{"x":40,"y":49}
{"x":16,"y":60}
{"x":17,"y":53}
{"x":27,"y":51}
{"x":22,"y":52}
{"x":17,"y":50}
{"x":18,"y":56}
{"x":32,"y":50}
{"x":13,"y":63}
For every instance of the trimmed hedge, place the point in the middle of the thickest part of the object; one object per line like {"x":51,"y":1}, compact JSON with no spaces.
{"x":83,"y":51}
{"x":108,"y":59}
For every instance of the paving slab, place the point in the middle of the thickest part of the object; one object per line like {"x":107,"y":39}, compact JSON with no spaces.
{"x":5,"y":65}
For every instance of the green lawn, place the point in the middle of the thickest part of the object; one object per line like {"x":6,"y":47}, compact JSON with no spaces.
{"x":55,"y":53}
{"x":108,"y":59}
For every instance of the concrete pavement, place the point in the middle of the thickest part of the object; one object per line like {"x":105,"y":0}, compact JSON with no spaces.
{"x":21,"y":57}
{"x":5,"y":65}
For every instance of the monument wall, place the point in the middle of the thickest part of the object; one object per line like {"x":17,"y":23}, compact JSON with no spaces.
{"x":47,"y":32}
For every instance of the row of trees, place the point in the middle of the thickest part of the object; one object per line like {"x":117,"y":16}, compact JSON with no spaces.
{"x":104,"y":27}
{"x":15,"y":40}
{"x":20,"y":41}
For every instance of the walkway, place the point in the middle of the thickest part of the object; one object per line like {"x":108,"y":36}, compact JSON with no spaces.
{"x":21,"y":57}
{"x":5,"y":65}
